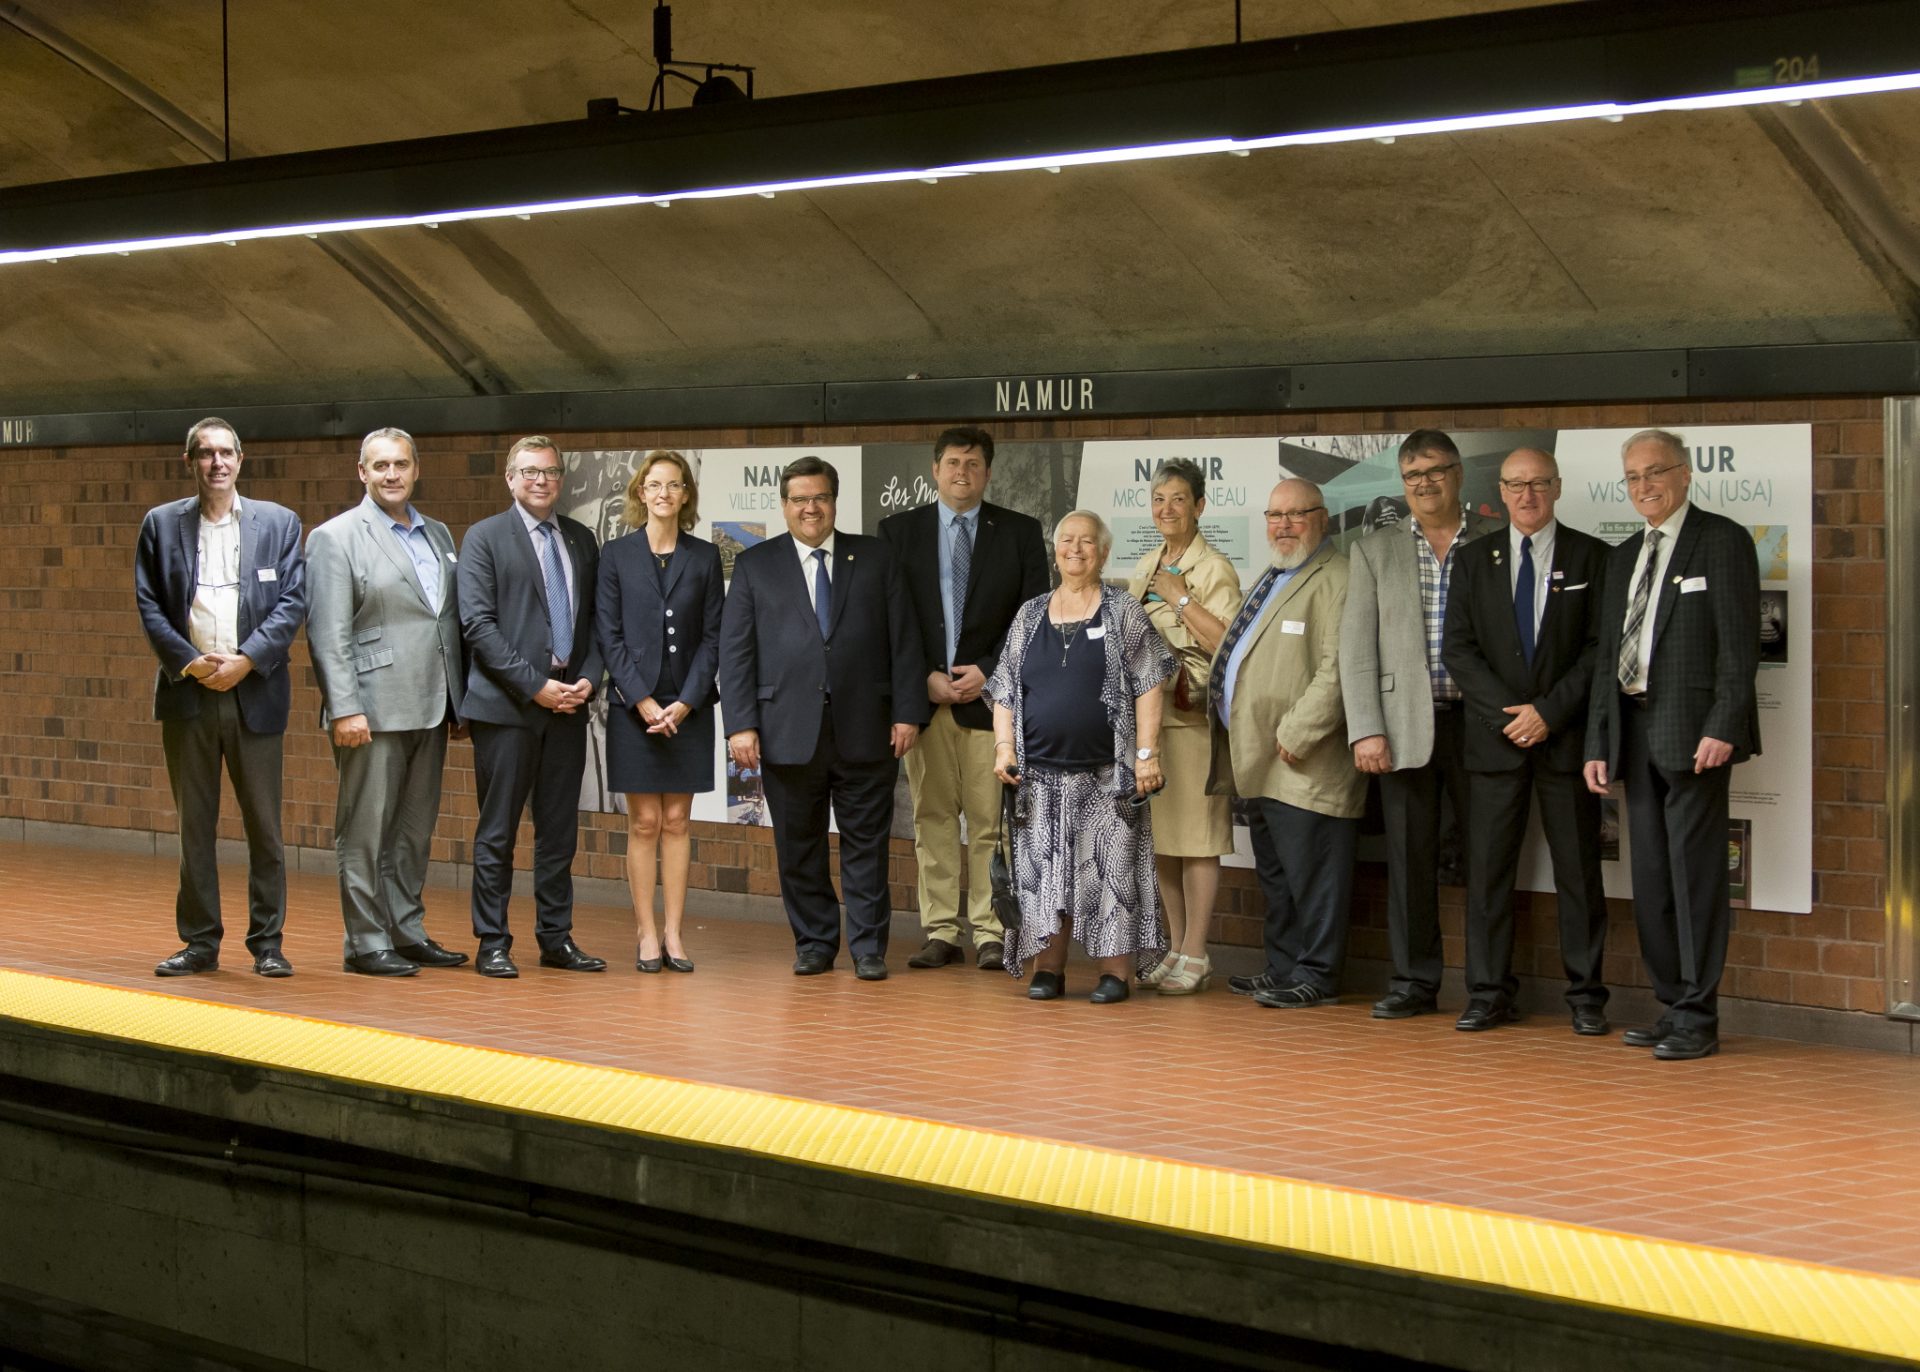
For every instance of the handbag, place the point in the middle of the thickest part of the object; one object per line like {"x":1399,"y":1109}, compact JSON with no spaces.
{"x":1006,"y":901}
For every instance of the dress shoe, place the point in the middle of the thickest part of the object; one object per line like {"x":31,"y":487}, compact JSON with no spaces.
{"x":937,"y":953}
{"x":674,"y":964}
{"x":646,"y":964}
{"x":992,"y":957}
{"x":496,"y":962}
{"x":1255,"y":984}
{"x":188,"y":961}
{"x":1296,"y":996}
{"x":812,"y":964}
{"x":568,"y":958}
{"x":1646,"y":1038}
{"x":1047,"y":986}
{"x":872,"y":967}
{"x":382,"y":962}
{"x":272,"y":964}
{"x":1110,"y":990}
{"x":1403,"y":1005}
{"x":1590,"y":1021}
{"x":430,"y":954}
{"x":1485,"y":1014}
{"x":1683,"y":1045}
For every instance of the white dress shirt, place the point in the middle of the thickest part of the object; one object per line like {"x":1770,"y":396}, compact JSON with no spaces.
{"x":1669,"y":535}
{"x":1542,"y":550}
{"x":807,"y":564}
{"x":213,"y":623}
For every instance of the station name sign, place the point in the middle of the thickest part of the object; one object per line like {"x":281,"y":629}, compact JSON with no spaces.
{"x":1215,"y":390}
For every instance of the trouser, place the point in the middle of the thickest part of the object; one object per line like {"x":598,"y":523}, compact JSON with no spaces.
{"x":1305,"y":864}
{"x":1410,"y":803}
{"x":383,"y":821}
{"x":512,"y":764}
{"x":195,"y":751}
{"x":951,"y":772}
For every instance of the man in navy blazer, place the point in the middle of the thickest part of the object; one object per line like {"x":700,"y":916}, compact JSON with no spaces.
{"x":824,"y":687}
{"x":220,"y":585}
{"x":968,"y":566}
{"x":1520,"y":632}
{"x":1673,"y":711}
{"x":526,"y":586}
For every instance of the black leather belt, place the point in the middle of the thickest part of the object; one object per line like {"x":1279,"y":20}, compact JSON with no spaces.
{"x":1447,"y":704}
{"x":558,"y":673}
{"x":1640,"y":702}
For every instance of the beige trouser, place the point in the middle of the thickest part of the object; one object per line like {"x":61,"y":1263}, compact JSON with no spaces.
{"x":951,"y":772}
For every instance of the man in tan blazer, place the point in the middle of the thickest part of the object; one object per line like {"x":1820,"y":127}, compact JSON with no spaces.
{"x":1279,"y":740}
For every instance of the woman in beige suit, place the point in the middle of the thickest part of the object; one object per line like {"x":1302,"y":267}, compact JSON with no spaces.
{"x":1191,"y":593}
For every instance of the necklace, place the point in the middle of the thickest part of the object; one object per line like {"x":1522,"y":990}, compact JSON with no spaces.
{"x":1068,"y":632}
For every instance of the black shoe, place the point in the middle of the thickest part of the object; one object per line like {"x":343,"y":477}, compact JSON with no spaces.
{"x":430,"y":954}
{"x":272,"y":964}
{"x":1254,"y":985}
{"x":1683,"y":1045}
{"x":188,"y":961}
{"x":812,"y":964}
{"x":496,"y":962}
{"x":1047,"y":986}
{"x":568,"y":958}
{"x":1590,"y":1021}
{"x":1403,"y":1005}
{"x":644,"y":964}
{"x":1108,"y":991}
{"x":1646,"y":1038}
{"x":991,"y":957}
{"x":872,"y":967}
{"x":674,"y":964}
{"x":1485,"y":1014}
{"x":1297,"y":996}
{"x":382,"y":962}
{"x":937,"y":953}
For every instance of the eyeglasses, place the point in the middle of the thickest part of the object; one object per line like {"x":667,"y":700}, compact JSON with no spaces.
{"x":1428,"y":476}
{"x":664,"y":487}
{"x":1540,"y":485}
{"x":818,"y":502}
{"x":1652,"y":474}
{"x":540,"y":473}
{"x":1293,"y":516}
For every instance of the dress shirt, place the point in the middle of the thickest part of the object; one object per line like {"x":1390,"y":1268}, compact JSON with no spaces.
{"x":807,"y":564}
{"x":213,"y":623}
{"x":1542,"y":567}
{"x":1234,"y":658}
{"x":540,"y":558}
{"x":426,"y":562}
{"x":950,"y":522}
{"x":1436,"y":579}
{"x":1669,"y":535}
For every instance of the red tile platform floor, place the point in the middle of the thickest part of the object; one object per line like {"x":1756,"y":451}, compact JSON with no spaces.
{"x":1773,"y":1147}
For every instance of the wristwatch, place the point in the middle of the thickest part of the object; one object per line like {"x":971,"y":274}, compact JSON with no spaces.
{"x":1181,"y":603}
{"x":1145,"y":754}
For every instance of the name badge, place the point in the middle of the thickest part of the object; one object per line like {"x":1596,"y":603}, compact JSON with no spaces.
{"x":1096,"y":631}
{"x":1293,"y":626}
{"x":268,"y":574}
{"x":452,"y":558}
{"x":1559,"y":575}
{"x":1693,"y":583}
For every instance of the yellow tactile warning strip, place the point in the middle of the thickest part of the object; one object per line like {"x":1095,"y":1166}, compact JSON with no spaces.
{"x":1773,"y":1297}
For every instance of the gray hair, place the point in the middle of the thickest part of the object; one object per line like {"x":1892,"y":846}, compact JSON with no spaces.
{"x":397,"y":435}
{"x":1102,"y":535}
{"x":1672,"y":442}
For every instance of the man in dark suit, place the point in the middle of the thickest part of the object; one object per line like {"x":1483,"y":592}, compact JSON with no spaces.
{"x":526,"y":587}
{"x":219,"y":582}
{"x":1673,"y":710}
{"x":1520,"y":633}
{"x":824,"y":686}
{"x":968,"y":566}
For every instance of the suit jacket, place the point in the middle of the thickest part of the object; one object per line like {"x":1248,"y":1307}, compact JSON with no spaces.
{"x":273,"y":601}
{"x":1287,"y":693}
{"x":503,"y":614}
{"x":1009,"y":568}
{"x":776,"y":671}
{"x":1383,"y":643}
{"x":1706,"y":647}
{"x":1484,"y":655}
{"x":637,"y":627}
{"x":378,"y":647}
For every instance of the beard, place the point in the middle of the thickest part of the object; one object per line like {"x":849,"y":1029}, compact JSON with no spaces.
{"x":1286,"y":562}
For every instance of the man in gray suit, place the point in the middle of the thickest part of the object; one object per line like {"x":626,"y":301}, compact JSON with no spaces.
{"x":1403,"y":707}
{"x":384,"y":628}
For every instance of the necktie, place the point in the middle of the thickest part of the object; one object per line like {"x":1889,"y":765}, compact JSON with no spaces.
{"x":559,"y":608}
{"x":1249,"y":611}
{"x":962,"y":567}
{"x":1523,"y":598}
{"x":1628,"y":667}
{"x":822,"y":592}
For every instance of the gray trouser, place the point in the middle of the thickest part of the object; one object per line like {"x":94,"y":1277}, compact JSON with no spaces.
{"x":383,"y":833}
{"x":195,"y":749}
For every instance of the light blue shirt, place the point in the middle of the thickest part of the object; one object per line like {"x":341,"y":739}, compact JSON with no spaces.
{"x":950,"y":522}
{"x":1239,"y":653}
{"x":426,"y":562}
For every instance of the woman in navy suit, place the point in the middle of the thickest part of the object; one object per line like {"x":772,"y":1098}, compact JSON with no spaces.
{"x":658,"y":617}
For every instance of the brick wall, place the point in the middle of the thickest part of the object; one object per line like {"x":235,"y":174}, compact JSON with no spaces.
{"x":78,"y":744}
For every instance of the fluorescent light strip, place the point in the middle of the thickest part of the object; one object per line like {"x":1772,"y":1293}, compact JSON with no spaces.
{"x":1816,"y":90}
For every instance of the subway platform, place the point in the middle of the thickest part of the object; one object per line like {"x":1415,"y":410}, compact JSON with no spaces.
{"x":744,"y":1168}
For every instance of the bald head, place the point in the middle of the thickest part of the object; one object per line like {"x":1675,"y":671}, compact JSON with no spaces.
{"x":1296,"y":522}
{"x":1529,"y":488}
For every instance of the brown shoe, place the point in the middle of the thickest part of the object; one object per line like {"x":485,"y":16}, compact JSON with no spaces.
{"x":937,"y":953}
{"x":992,"y":957}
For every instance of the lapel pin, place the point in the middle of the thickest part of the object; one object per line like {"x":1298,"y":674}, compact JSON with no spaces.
{"x":1676,"y":581}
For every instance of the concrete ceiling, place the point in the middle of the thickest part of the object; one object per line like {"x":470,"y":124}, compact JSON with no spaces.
{"x":1724,"y":228}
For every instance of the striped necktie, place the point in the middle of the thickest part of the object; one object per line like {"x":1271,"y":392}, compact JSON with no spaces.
{"x":1628,"y":667}
{"x":559,"y":607}
{"x":1249,"y":611}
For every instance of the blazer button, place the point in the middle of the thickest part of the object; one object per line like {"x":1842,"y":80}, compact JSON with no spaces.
{"x":669,"y":629}
{"x":669,"y":614}
{"x":674,"y":649}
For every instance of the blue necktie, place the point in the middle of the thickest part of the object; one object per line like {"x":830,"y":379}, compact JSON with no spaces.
{"x":961,"y":567}
{"x":1523,"y":599}
{"x":822,"y":592}
{"x":559,"y":608}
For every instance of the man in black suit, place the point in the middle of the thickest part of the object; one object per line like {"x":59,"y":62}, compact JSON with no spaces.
{"x":1520,"y":633}
{"x":824,"y":688}
{"x":968,"y":565}
{"x":1673,"y":710}
{"x":526,"y":586}
{"x":221,"y":589}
